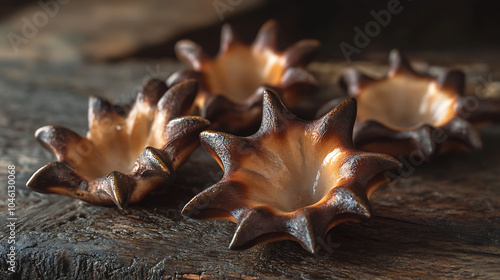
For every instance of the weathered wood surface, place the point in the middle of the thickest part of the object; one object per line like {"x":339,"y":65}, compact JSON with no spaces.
{"x":442,"y":221}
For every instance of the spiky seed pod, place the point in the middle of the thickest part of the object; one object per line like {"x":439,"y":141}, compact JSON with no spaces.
{"x":127,"y":152}
{"x":230,"y":95}
{"x":407,"y":113}
{"x":293,"y":179}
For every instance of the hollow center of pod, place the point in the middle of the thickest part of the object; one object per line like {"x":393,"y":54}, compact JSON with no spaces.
{"x":116,"y":142}
{"x":405,"y":102}
{"x":287,"y":173}
{"x":241,"y":70}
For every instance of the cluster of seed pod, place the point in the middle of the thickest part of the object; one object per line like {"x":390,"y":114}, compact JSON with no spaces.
{"x":291,"y":179}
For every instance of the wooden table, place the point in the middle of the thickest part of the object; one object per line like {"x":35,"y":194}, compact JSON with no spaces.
{"x":442,"y":221}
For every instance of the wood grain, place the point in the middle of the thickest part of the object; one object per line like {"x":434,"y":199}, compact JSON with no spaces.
{"x":441,"y":222}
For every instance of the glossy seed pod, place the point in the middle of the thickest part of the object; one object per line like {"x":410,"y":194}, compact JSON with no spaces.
{"x":407,"y":113}
{"x":230,"y":95}
{"x":127,"y":152}
{"x":291,"y":180}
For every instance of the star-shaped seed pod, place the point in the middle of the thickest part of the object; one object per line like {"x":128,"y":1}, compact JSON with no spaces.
{"x":407,"y":113}
{"x":127,"y":151}
{"x":230,"y":95}
{"x":292,"y":179}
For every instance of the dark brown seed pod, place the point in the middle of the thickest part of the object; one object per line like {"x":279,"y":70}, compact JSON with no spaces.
{"x":230,"y":95}
{"x":292,"y":180}
{"x":127,"y":152}
{"x":407,"y":113}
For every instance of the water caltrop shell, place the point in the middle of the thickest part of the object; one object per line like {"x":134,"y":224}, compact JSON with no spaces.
{"x":407,"y":113}
{"x":291,"y":180}
{"x":127,"y":152}
{"x":230,"y":93}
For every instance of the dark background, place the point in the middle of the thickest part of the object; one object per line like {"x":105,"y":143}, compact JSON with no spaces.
{"x":456,"y":26}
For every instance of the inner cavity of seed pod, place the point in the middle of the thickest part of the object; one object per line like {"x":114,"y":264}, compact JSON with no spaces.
{"x":240,"y":71}
{"x":116,"y":144}
{"x":406,"y":102}
{"x":289,"y":175}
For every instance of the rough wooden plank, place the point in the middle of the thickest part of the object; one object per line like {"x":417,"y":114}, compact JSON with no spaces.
{"x":442,"y":221}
